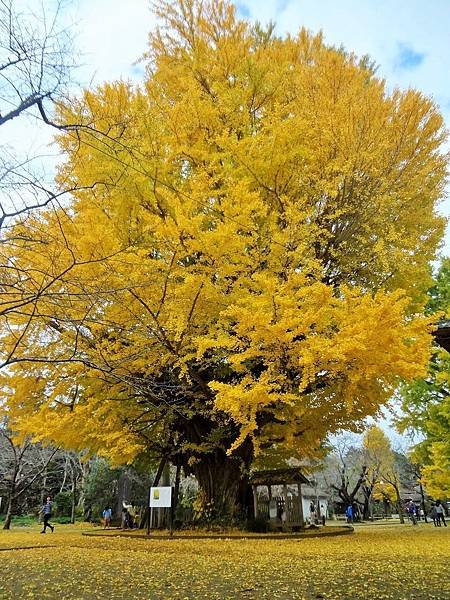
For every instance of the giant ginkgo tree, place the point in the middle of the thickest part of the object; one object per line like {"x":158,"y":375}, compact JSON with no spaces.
{"x":248,"y":271}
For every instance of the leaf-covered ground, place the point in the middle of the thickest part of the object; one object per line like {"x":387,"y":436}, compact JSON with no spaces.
{"x":380,"y":562}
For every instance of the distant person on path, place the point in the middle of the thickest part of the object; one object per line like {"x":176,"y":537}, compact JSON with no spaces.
{"x":107,"y":515}
{"x":349,"y":513}
{"x":127,"y":521}
{"x":133,"y":514}
{"x":434,"y":515}
{"x":47,"y":512}
{"x":411,"y":510}
{"x":440,"y":513}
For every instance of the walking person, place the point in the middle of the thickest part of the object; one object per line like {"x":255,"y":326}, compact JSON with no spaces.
{"x":440,"y":513}
{"x":107,"y":515}
{"x":133,"y":515}
{"x":411,"y":509}
{"x":312,"y":513}
{"x":349,"y":513}
{"x":127,"y":522}
{"x":434,"y":515}
{"x":47,"y":512}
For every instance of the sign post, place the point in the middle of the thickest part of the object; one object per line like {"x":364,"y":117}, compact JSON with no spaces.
{"x":149,"y":511}
{"x":159,"y":497}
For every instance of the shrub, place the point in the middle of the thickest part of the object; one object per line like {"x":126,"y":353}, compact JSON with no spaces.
{"x":63,"y":502}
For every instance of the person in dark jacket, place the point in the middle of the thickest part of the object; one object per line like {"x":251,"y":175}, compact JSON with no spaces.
{"x":47,"y":512}
{"x":440,"y":513}
{"x":433,"y":515}
{"x":411,"y":510}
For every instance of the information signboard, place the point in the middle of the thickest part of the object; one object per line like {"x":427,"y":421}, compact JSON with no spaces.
{"x":160,"y":497}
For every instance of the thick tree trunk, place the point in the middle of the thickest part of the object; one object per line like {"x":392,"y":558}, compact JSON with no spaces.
{"x":367,"y":513}
{"x":349,"y":497}
{"x":8,"y":519}
{"x":11,"y":499}
{"x":162,"y":514}
{"x":223,"y":483}
{"x":123,"y":491}
{"x":85,"y":469}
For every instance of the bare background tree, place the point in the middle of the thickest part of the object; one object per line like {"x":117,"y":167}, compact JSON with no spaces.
{"x":80,"y":486}
{"x":36,"y":64}
{"x":22,"y":466}
{"x":344,"y":472}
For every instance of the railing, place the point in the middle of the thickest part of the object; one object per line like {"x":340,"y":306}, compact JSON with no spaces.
{"x":290,"y":509}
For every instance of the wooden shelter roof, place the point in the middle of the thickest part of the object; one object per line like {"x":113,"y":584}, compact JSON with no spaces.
{"x":310,"y":492}
{"x":278,"y":477}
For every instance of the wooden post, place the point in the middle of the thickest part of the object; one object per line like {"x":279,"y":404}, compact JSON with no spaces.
{"x":171,"y":512}
{"x":176,"y":491}
{"x":146,"y":515}
{"x":149,"y":514}
{"x":163,"y":514}
{"x":300,"y":504}
{"x":255,"y":501}
{"x":286,"y":512}
{"x":423,"y":502}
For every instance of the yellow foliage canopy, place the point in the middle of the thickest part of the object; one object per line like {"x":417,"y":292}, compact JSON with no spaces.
{"x":245,"y":256}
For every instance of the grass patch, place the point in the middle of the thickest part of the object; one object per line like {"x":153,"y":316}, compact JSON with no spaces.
{"x":30,"y":520}
{"x":23,"y":521}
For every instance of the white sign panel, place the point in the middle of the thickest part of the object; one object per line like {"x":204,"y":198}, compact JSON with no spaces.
{"x":160,"y":497}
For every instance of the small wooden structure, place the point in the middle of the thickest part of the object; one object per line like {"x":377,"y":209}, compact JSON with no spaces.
{"x":285,"y":510}
{"x":442,"y":334}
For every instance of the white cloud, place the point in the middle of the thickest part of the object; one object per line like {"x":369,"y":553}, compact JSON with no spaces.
{"x":112,"y":36}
